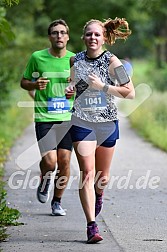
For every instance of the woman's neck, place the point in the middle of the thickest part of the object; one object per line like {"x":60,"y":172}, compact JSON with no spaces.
{"x":94,"y":54}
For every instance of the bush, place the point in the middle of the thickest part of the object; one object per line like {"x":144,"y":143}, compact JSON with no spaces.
{"x":159,"y":77}
{"x":18,"y":117}
{"x":150,"y":120}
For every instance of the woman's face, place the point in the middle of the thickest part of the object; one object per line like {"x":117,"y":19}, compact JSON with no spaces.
{"x":93,"y":36}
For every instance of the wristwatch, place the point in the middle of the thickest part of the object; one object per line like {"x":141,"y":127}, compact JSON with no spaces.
{"x":105,"y":88}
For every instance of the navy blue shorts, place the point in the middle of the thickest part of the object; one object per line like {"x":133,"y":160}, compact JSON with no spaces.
{"x":105,"y":133}
{"x":53,"y":136}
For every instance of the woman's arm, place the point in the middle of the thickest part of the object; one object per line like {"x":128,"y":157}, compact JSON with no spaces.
{"x":122,"y":91}
{"x":70,"y":90}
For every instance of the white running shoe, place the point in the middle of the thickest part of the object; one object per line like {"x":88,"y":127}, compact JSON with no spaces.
{"x":43,"y":191}
{"x":57,"y":210}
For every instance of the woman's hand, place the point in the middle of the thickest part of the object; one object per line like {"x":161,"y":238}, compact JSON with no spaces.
{"x":69,"y":91}
{"x":95,"y":82}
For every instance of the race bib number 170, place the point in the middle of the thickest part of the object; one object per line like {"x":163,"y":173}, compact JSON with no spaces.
{"x":58,"y":105}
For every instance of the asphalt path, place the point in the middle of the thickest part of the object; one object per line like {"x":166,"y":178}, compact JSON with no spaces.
{"x":134,"y":216}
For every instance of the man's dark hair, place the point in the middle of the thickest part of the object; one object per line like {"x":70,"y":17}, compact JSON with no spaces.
{"x":57,"y":22}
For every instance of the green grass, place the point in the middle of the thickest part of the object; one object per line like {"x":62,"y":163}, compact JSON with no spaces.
{"x":14,"y":120}
{"x":8,"y":216}
{"x":150,"y":118}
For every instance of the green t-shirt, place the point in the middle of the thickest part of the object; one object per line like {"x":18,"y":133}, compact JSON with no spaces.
{"x":50,"y":104}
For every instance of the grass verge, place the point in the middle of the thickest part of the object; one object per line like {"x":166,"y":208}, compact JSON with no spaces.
{"x":149,"y":119}
{"x":14,"y":120}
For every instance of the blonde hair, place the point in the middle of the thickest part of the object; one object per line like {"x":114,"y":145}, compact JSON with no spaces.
{"x":113,"y":29}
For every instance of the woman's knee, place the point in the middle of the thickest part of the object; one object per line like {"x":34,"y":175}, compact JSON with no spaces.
{"x":87,"y":175}
{"x":102,"y":181}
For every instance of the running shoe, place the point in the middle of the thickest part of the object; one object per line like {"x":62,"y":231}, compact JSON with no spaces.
{"x":57,"y":210}
{"x":43,"y":192}
{"x":98,"y":204}
{"x":93,"y":234}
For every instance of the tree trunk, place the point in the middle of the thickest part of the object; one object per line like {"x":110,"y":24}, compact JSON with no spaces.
{"x":158,"y":56}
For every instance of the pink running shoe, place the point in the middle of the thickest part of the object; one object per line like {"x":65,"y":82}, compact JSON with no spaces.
{"x":93,"y":234}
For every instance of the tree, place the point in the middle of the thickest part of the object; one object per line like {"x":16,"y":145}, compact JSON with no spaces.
{"x":10,"y":2}
{"x":6,"y":33}
{"x":78,"y":12}
{"x":156,"y":12}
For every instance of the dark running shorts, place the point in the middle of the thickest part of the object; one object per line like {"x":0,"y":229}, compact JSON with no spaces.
{"x":105,"y":133}
{"x":53,"y":136}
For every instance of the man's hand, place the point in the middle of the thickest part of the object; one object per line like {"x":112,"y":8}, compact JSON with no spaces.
{"x":41,"y":83}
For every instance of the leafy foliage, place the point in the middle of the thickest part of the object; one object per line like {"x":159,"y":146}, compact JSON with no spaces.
{"x":23,"y":29}
{"x":11,"y":2}
{"x":8,"y":216}
{"x":82,"y":12}
{"x":6,"y":33}
{"x":150,"y":120}
{"x":159,"y":77}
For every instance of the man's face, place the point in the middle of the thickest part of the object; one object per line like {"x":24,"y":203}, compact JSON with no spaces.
{"x":59,"y":36}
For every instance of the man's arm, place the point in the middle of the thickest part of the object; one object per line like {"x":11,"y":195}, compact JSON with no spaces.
{"x":32,"y":93}
{"x":30,"y":85}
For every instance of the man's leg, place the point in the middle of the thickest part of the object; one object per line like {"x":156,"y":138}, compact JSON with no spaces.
{"x":64,"y":149}
{"x":63,"y":172}
{"x":61,"y":180}
{"x":45,"y":133}
{"x":47,"y":167}
{"x":48,"y":162}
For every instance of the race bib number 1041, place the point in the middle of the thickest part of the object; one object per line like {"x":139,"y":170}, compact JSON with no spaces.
{"x":93,"y":101}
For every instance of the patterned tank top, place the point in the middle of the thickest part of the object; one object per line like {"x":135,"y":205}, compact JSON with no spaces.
{"x":90,"y":104}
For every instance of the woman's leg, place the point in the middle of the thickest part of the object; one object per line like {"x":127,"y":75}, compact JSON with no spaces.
{"x":85,"y":152}
{"x":103,"y":159}
{"x":103,"y":162}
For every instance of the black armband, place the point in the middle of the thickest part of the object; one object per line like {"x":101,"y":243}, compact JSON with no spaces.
{"x":121,"y":75}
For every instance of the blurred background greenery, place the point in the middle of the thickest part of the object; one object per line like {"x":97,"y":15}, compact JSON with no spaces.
{"x":23,"y":29}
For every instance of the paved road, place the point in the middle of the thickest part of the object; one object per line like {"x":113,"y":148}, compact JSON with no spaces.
{"x":134,"y":215}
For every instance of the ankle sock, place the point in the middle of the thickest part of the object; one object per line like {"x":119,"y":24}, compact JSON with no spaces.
{"x":98,"y":195}
{"x":56,"y":199}
{"x":91,"y":223}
